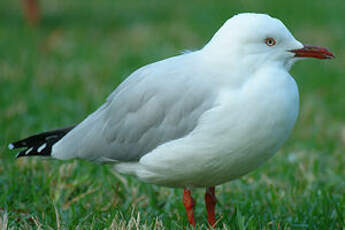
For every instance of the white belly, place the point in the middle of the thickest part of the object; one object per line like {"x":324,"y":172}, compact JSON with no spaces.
{"x":245,"y":129}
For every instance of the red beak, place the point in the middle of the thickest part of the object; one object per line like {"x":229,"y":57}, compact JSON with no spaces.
{"x":313,"y":51}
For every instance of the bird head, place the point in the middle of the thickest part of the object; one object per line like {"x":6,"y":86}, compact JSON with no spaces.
{"x":257,"y":40}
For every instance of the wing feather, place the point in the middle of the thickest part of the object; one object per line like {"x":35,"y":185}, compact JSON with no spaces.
{"x":156,"y":104}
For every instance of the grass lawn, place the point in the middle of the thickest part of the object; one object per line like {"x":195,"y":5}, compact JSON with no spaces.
{"x":54,"y":74}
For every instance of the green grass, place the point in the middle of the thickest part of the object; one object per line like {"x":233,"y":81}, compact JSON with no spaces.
{"x":55,"y":74}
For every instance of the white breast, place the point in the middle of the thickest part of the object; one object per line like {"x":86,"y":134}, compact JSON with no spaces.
{"x":258,"y":121}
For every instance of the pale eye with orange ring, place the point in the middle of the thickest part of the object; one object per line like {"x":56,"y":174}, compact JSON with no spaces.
{"x":270,"y":41}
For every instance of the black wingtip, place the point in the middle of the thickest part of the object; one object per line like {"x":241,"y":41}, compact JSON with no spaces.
{"x":39,"y":144}
{"x":20,"y":154}
{"x":34,"y":151}
{"x":12,"y":146}
{"x":17,"y":145}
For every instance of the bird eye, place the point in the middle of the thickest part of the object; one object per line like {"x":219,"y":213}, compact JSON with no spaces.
{"x":270,"y":41}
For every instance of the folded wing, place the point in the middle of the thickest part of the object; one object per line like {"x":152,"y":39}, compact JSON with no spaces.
{"x":156,"y":104}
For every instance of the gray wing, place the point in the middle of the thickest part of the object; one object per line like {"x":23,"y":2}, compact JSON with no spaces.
{"x":156,"y":104}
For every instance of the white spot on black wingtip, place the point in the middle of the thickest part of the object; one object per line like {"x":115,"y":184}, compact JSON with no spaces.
{"x":10,"y":146}
{"x":51,"y":137}
{"x":28,"y":151}
{"x":41,"y":147}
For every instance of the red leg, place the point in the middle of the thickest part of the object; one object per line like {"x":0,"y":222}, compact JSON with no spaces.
{"x":210,"y":200}
{"x":189,"y":204}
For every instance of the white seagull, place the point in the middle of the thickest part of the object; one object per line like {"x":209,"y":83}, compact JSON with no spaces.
{"x":198,"y":119}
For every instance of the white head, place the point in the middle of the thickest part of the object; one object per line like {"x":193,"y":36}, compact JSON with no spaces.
{"x":257,"y":40}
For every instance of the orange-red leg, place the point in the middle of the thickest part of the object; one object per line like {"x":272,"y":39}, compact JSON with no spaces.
{"x":189,"y":204}
{"x":210,"y":200}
